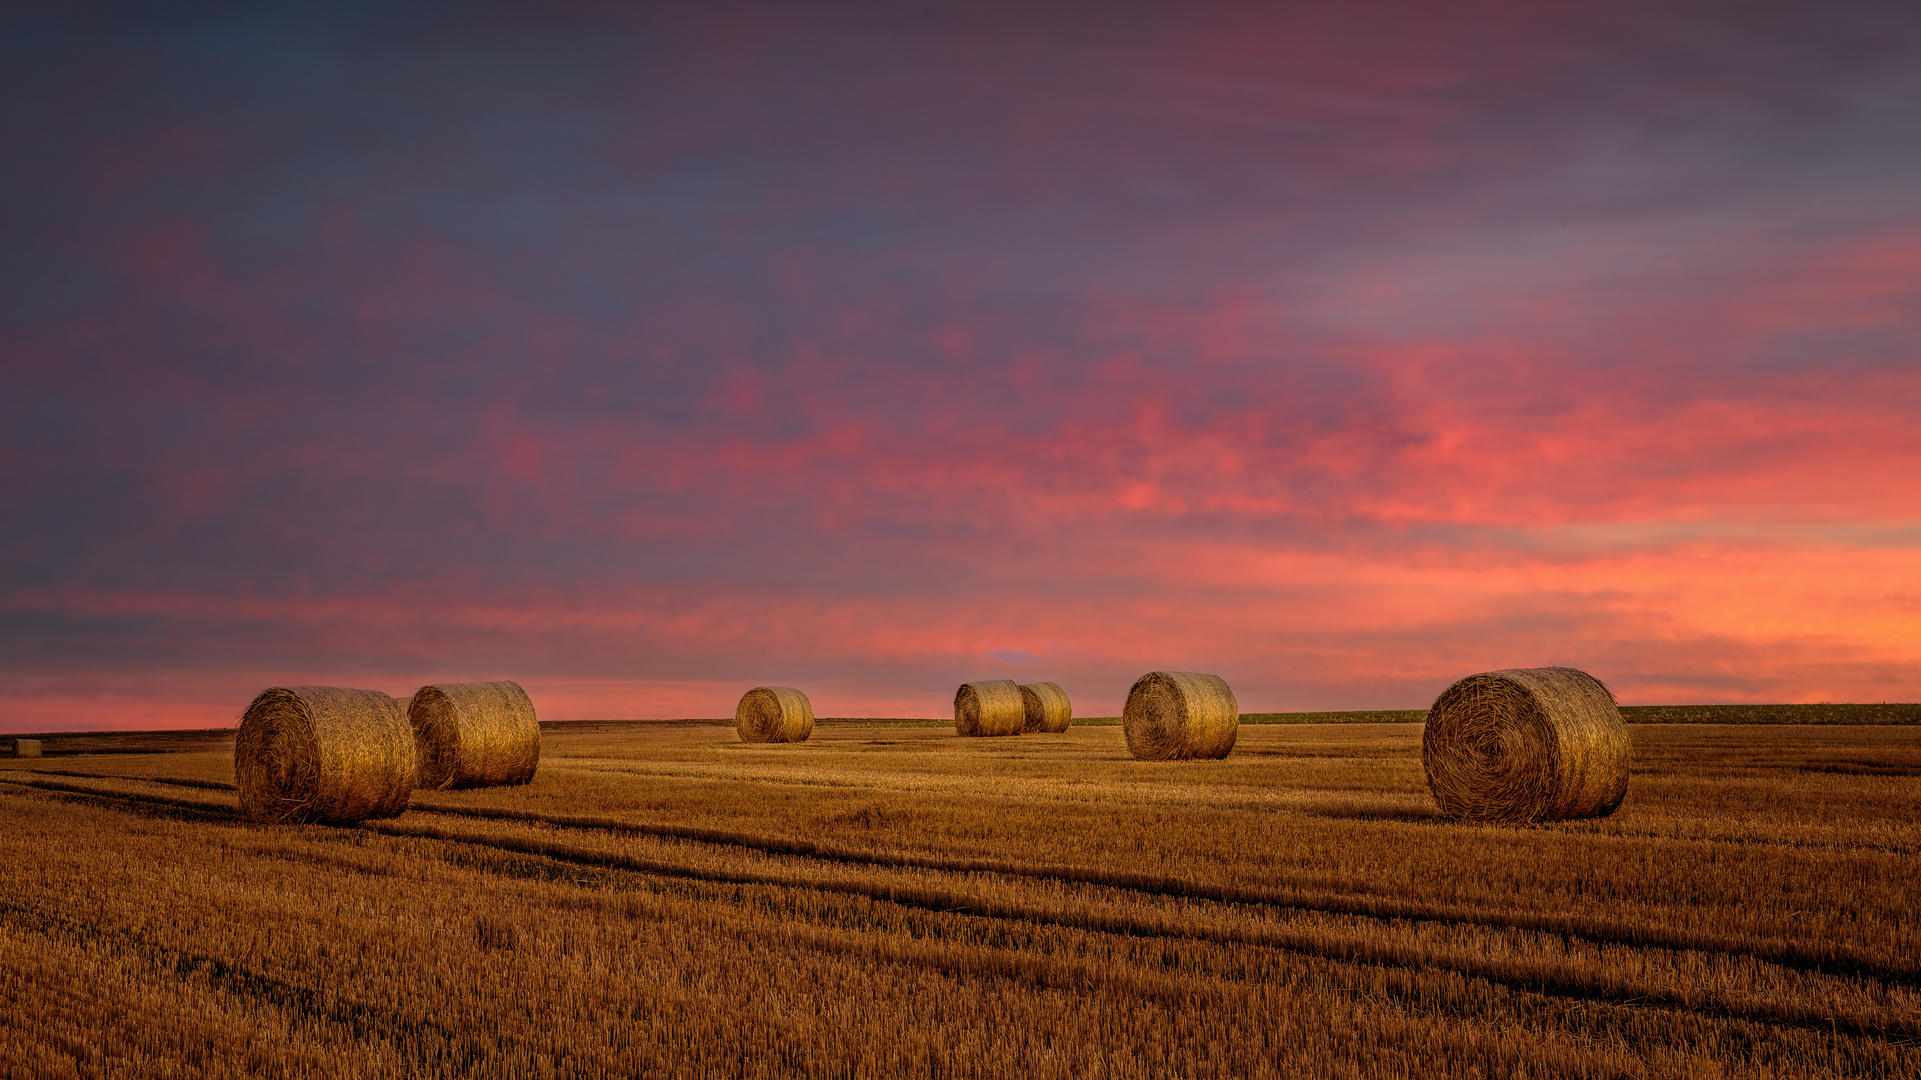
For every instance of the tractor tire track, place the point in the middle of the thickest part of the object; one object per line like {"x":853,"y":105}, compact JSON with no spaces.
{"x":1517,"y":976}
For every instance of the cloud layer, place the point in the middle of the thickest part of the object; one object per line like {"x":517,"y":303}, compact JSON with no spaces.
{"x":646,"y":358}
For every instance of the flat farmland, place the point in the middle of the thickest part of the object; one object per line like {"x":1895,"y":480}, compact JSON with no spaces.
{"x":890,"y":900}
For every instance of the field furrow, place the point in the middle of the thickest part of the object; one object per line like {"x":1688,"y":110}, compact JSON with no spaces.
{"x":967,"y":908}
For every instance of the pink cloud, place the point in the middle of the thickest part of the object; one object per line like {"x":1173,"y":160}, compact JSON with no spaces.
{"x":1341,"y":356}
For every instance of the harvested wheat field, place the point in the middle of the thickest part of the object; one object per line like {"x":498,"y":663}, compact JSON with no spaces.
{"x":894,"y":900}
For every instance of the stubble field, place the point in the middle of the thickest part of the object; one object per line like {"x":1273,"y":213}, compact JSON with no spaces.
{"x":881,"y":901}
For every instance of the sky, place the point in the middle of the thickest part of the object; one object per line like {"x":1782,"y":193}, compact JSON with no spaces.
{"x":647,"y":353}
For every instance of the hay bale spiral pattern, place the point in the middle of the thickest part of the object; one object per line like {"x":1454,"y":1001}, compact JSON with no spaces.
{"x":778,"y":714}
{"x":479,"y":734}
{"x":1526,"y":744}
{"x":323,"y":754}
{"x":1045,"y":707}
{"x":1174,"y":715}
{"x":990,"y":707}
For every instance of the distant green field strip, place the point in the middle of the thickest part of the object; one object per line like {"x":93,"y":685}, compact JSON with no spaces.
{"x":1821,"y":713}
{"x":1882,"y":714}
{"x":1886,"y":713}
{"x":1398,"y":716}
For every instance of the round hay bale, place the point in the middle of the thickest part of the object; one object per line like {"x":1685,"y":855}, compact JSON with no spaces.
{"x":774,"y":714}
{"x":990,"y":707}
{"x":478,"y":734}
{"x":1044,"y":707}
{"x":1526,"y":744}
{"x":323,"y":753}
{"x":1174,"y":715}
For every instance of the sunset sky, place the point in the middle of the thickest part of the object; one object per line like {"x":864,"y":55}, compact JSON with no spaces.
{"x":646,"y":353}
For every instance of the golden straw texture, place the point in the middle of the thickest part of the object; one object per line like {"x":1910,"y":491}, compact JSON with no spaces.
{"x":481,"y":734}
{"x":1045,"y":707}
{"x":1526,"y":744}
{"x":1180,"y":714}
{"x":26,"y":748}
{"x":323,"y":753}
{"x":990,"y":707}
{"x":774,"y":714}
